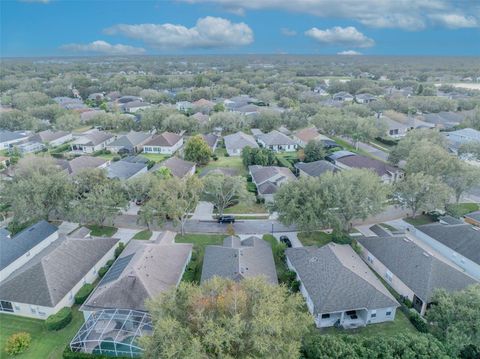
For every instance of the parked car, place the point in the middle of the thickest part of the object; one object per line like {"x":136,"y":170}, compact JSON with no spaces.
{"x":226,"y":219}
{"x":286,"y":241}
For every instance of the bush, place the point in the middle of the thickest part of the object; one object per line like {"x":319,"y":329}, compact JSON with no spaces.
{"x":408,"y":303}
{"x":119,"y":249}
{"x":282,"y":162}
{"x":215,"y":157}
{"x":59,"y":320}
{"x":387,"y":141}
{"x":251,"y":187}
{"x":227,"y":154}
{"x":17,"y":343}
{"x":83,"y":293}
{"x":260,"y":200}
{"x":116,"y":158}
{"x":417,"y":321}
{"x":102,"y":271}
{"x":109,"y":263}
{"x":341,"y":237}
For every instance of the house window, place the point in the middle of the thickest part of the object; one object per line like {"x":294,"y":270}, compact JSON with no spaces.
{"x":325,"y":316}
{"x":6,"y":306}
{"x":373,"y":314}
{"x":389,"y":276}
{"x":33,"y":309}
{"x":389,"y":313}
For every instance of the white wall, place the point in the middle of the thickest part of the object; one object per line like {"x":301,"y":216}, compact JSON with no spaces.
{"x":163,"y":149}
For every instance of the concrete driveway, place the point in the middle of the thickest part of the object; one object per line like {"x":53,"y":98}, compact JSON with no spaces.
{"x":67,"y":227}
{"x":125,"y":234}
{"x":204,"y":211}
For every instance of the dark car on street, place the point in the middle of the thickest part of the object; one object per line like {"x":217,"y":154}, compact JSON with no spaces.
{"x":226,"y":219}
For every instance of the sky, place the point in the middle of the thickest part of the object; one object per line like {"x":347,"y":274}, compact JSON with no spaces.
{"x":31,"y":28}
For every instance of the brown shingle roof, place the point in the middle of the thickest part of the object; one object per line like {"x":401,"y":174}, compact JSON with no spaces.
{"x":166,"y":139}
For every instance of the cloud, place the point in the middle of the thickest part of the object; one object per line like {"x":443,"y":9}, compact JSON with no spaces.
{"x":337,"y":35}
{"x":455,"y":21}
{"x":104,"y":48}
{"x":404,"y":14}
{"x":287,"y":32}
{"x":208,"y":32}
{"x":349,"y":52}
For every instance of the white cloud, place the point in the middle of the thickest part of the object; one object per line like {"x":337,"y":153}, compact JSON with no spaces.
{"x":208,"y":32}
{"x":340,"y":36}
{"x":349,"y":52}
{"x":405,"y":14}
{"x":455,"y":21}
{"x":288,"y":32}
{"x":104,"y":48}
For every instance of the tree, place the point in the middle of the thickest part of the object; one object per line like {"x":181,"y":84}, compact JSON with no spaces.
{"x":219,"y":107}
{"x":470,"y":150}
{"x":432,"y":160}
{"x":455,"y":319}
{"x":422,"y":192}
{"x":463,"y":178}
{"x":68,"y":122}
{"x":267,"y":120}
{"x":226,"y":319}
{"x":334,"y":199}
{"x":258,"y":156}
{"x":314,"y":151}
{"x":224,"y":191}
{"x":197,"y":150}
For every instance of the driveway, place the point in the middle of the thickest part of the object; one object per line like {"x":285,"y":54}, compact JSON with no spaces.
{"x":204,"y":211}
{"x":365,"y":230}
{"x":125,"y":234}
{"x":67,"y":227}
{"x":132,"y":209}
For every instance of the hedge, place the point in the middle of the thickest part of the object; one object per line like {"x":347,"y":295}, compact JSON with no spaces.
{"x":68,"y":354}
{"x":102,"y":271}
{"x":83,"y":293}
{"x":59,"y":320}
{"x":119,"y":249}
{"x":417,"y":321}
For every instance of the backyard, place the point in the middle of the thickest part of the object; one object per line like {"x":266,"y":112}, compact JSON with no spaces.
{"x":155,"y":157}
{"x":45,"y":344}
{"x":231,"y":162}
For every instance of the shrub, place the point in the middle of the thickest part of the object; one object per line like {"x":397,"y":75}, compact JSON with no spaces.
{"x":116,"y":158}
{"x":215,"y":157}
{"x":17,"y":343}
{"x":251,"y":187}
{"x":417,"y":321}
{"x":102,"y":271}
{"x":83,"y":293}
{"x":227,"y":154}
{"x":119,"y":249}
{"x":109,"y":263}
{"x":341,"y":237}
{"x":59,"y":320}
{"x":260,"y":200}
{"x":408,"y":303}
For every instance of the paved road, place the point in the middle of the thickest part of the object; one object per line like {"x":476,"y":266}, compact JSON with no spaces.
{"x":375,"y":152}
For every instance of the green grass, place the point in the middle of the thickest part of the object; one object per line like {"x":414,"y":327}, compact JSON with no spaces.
{"x":348,"y":147}
{"x":193,"y":272}
{"x":245,"y":207}
{"x":143,"y":235}
{"x":45,"y":344}
{"x":266,"y":216}
{"x":156,"y":157}
{"x":106,"y":156}
{"x":389,"y":227}
{"x":314,"y":238}
{"x":278,"y":250}
{"x":419,"y":220}
{"x":102,"y":231}
{"x":234,"y":162}
{"x":462,"y":209}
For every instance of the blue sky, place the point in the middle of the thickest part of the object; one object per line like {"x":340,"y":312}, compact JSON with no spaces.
{"x":369,"y":27}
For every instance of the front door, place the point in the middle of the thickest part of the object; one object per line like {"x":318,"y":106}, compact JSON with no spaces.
{"x":417,"y":304}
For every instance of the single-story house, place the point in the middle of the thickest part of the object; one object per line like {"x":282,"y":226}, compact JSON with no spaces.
{"x":413,"y":271}
{"x":201,"y":118}
{"x":92,"y":141}
{"x":343,"y":97}
{"x":144,"y":270}
{"x":134,"y":106}
{"x":236,"y":142}
{"x":277,"y":141}
{"x":444,"y":119}
{"x":473,"y":218}
{"x":460,"y":137}
{"x":19,"y":249}
{"x":27,"y":147}
{"x":237,"y":259}
{"x":395,"y":129}
{"x":125,"y":170}
{"x":178,"y":167}
{"x":53,"y":138}
{"x":304,"y":136}
{"x":339,"y":288}
{"x":460,"y":243}
{"x":69,"y":103}
{"x":78,"y":164}
{"x":211,"y":140}
{"x":165,"y":143}
{"x":247,"y":110}
{"x":315,"y":169}
{"x":269,"y":178}
{"x":348,"y":160}
{"x":9,"y":138}
{"x":128,"y":98}
{"x":365,"y":98}
{"x":132,"y":142}
{"x":90,"y":114}
{"x":184,"y":106}
{"x":49,"y":281}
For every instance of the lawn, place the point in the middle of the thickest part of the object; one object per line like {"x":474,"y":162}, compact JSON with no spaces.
{"x":144,"y":235}
{"x":156,"y":157}
{"x":462,"y":209}
{"x":314,"y":238}
{"x":234,"y":162}
{"x":419,"y":220}
{"x":106,"y":156}
{"x":278,"y":250}
{"x":102,"y":231}
{"x":245,"y":207}
{"x":45,"y":344}
{"x":200,"y":241}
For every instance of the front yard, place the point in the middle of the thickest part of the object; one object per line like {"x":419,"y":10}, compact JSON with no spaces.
{"x":144,"y":235}
{"x":45,"y":344}
{"x":314,"y":238}
{"x":155,"y":157}
{"x":462,"y":209}
{"x":245,"y":207}
{"x":231,"y":162}
{"x":419,"y":220}
{"x":102,"y":231}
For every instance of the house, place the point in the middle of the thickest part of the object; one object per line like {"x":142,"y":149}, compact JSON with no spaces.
{"x":343,"y":96}
{"x":132,"y":142}
{"x":339,"y":288}
{"x":349,"y":160}
{"x":238,"y":101}
{"x":473,"y":218}
{"x":49,"y":281}
{"x":92,"y":141}
{"x":53,"y":138}
{"x":27,"y":147}
{"x":203,"y":106}
{"x":395,"y":129}
{"x":460,"y":137}
{"x":237,"y":259}
{"x":184,"y":106}
{"x":413,"y":271}
{"x":445,"y":119}
{"x":134,"y":106}
{"x":304,"y":136}
{"x":143,"y":271}
{"x":165,"y":143}
{"x":124,"y":170}
{"x":211,"y":140}
{"x":69,"y":103}
{"x":247,"y":110}
{"x":10,"y":138}
{"x":269,"y":178}
{"x":96,"y":96}
{"x":236,"y":142}
{"x":365,"y":98}
{"x":19,"y":249}
{"x":90,"y":114}
{"x":256,"y":132}
{"x":315,"y":169}
{"x":459,"y":243}
{"x":78,"y":164}
{"x":128,"y":98}
{"x":178,"y":167}
{"x":277,"y":141}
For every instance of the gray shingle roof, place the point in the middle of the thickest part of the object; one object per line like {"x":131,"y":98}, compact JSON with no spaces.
{"x":276,"y":138}
{"x":462,"y":238}
{"x":269,"y":178}
{"x":48,"y":135}
{"x":421,"y":271}
{"x":210,"y":139}
{"x":83,"y":162}
{"x":166,"y":139}
{"x":51,"y":274}
{"x":178,"y":167}
{"x":124,"y":170}
{"x":239,"y":140}
{"x":130,"y":140}
{"x":6,"y":136}
{"x":143,"y":270}
{"x":316,"y":168}
{"x":18,"y":245}
{"x":337,"y":279}
{"x":238,"y":259}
